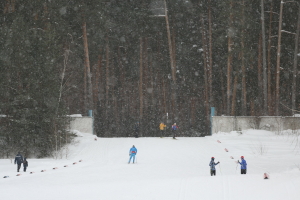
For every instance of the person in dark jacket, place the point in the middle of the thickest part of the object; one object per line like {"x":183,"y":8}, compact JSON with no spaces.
{"x":25,"y":164}
{"x":132,"y":153}
{"x":19,"y":160}
{"x":174,"y":130}
{"x":212,"y":165}
{"x":243,"y":164}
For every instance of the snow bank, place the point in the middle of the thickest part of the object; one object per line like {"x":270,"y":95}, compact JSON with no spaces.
{"x":165,"y":169}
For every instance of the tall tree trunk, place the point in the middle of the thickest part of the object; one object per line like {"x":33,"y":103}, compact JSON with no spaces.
{"x":87,"y":66}
{"x":115,"y":109}
{"x":85,"y":99}
{"x":95,"y":82}
{"x":278,"y":61}
{"x":145,"y":80}
{"x":98,"y":78}
{"x":173,"y":67}
{"x":234,"y":96}
{"x":259,"y":75}
{"x":265,"y":91}
{"x":270,"y":103}
{"x":107,"y":57}
{"x":210,"y":66}
{"x":244,"y":91}
{"x":205,"y":59}
{"x":141,"y":79}
{"x":229,"y":61}
{"x":295,"y":71}
{"x":223,"y":92}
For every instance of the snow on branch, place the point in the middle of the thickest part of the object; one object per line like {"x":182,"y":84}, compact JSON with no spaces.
{"x":288,"y":32}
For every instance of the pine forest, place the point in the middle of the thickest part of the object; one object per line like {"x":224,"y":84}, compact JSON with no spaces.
{"x":146,"y":61}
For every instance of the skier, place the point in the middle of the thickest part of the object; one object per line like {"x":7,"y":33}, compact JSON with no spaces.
{"x":243,"y":164}
{"x":174,"y":129}
{"x":132,"y":153}
{"x":19,"y":160}
{"x":25,"y":164}
{"x":162,"y":127}
{"x":212,"y":165}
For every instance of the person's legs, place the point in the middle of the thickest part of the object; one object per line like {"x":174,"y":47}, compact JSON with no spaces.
{"x":24,"y":169}
{"x":19,"y":166}
{"x":133,"y":158}
{"x":130,"y":158}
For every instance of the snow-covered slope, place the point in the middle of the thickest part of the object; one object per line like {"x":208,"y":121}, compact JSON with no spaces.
{"x":165,"y":169}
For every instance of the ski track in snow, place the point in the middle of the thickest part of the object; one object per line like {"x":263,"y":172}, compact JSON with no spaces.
{"x":165,"y":169}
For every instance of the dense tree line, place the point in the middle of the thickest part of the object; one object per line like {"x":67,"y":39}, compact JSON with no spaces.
{"x":147,"y":61}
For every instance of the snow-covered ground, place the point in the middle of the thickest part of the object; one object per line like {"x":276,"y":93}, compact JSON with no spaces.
{"x":166,"y":169}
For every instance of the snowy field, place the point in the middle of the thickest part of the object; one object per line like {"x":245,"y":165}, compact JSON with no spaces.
{"x":166,"y":169}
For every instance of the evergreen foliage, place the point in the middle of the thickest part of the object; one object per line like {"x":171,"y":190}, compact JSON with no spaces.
{"x":124,"y":37}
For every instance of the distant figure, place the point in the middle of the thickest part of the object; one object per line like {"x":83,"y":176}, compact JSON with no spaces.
{"x":162,"y":128}
{"x":266,"y":176}
{"x":212,"y":165}
{"x":174,"y":129}
{"x":19,"y":160}
{"x":132,"y":153}
{"x":136,"y":129}
{"x":243,"y":164}
{"x":25,"y":164}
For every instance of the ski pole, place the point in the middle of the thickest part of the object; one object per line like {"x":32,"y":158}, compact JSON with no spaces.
{"x":220,"y":168}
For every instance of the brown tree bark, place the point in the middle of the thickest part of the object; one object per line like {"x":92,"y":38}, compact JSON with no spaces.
{"x":234,"y":95}
{"x":210,"y":66}
{"x":259,"y":75}
{"x":244,"y":90}
{"x":173,"y":67}
{"x":295,"y":64}
{"x":229,"y":61}
{"x":87,"y":66}
{"x":278,"y":61}
{"x":270,"y":102}
{"x":141,"y":79}
{"x":265,"y":80}
{"x":223,"y":92}
{"x":205,"y":59}
{"x":98,"y":78}
{"x":107,"y":64}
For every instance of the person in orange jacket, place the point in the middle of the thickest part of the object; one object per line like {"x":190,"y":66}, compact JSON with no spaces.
{"x":162,"y":128}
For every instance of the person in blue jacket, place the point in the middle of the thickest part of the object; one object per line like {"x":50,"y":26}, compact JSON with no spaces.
{"x":174,"y":130}
{"x":212,"y":165}
{"x":19,"y":160}
{"x":25,"y":164}
{"x":243,"y":164}
{"x":132,"y":153}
